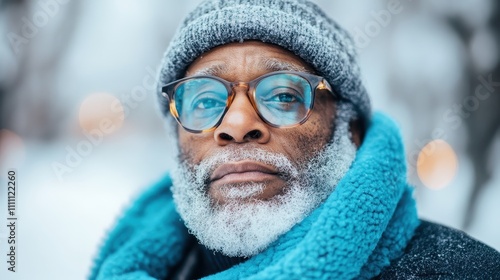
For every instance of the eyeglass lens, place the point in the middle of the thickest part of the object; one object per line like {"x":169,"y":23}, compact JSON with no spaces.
{"x":281,"y":100}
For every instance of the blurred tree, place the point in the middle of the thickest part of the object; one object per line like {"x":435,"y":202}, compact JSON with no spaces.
{"x":483,"y":126}
{"x":36,"y":115}
{"x":2,"y":108}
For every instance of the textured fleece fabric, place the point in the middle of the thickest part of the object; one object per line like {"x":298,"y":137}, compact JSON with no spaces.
{"x":364,"y":224}
{"x":299,"y":26}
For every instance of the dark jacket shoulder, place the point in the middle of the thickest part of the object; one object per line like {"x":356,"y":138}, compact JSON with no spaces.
{"x":439,"y":252}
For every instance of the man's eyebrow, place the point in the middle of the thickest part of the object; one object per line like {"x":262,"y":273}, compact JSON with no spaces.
{"x":214,"y":70}
{"x":272,"y":64}
{"x":269,"y":64}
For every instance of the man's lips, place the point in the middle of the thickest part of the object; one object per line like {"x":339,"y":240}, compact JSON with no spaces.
{"x":242,"y":171}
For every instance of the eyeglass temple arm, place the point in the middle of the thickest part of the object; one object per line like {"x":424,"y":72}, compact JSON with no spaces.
{"x":324,"y":85}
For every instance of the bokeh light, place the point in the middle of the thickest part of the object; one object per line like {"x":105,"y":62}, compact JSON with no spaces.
{"x":437,"y":164}
{"x":12,"y":149}
{"x":103,"y":112}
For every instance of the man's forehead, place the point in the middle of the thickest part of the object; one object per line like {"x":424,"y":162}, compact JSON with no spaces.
{"x":257,"y":55}
{"x":266,"y":64}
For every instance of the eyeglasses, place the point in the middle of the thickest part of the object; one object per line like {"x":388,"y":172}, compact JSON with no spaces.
{"x":281,"y":99}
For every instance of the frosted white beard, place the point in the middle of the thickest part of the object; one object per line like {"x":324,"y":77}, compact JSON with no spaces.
{"x":243,"y":229}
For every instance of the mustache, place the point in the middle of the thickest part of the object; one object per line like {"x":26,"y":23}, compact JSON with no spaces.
{"x":202,"y":171}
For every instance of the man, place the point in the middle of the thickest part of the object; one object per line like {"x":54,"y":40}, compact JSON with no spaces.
{"x":283,"y":172}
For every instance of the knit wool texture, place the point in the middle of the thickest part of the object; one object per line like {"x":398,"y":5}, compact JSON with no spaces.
{"x":361,"y":227}
{"x":299,"y":26}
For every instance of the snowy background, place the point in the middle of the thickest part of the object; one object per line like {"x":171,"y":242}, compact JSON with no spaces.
{"x":62,"y":63}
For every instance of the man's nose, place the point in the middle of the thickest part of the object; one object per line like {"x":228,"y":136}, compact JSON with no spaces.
{"x":241,"y":123}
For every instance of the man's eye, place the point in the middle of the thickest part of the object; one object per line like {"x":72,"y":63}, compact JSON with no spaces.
{"x":208,"y":103}
{"x":284,"y":97}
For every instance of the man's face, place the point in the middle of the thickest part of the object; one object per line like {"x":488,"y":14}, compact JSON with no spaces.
{"x":241,"y":186}
{"x":242,"y":128}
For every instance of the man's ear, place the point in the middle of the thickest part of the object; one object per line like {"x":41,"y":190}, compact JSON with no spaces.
{"x":356,"y":129}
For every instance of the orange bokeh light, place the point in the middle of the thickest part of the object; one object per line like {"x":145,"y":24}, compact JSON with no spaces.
{"x":437,"y":164}
{"x":101,"y":111}
{"x":12,"y":149}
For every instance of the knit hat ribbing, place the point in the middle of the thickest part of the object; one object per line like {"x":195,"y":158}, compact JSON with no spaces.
{"x":296,"y":25}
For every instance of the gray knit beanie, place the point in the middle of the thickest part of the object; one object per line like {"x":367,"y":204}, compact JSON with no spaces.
{"x":296,"y":25}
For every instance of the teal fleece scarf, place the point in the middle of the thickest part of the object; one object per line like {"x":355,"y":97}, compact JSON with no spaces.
{"x":363,"y":225}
